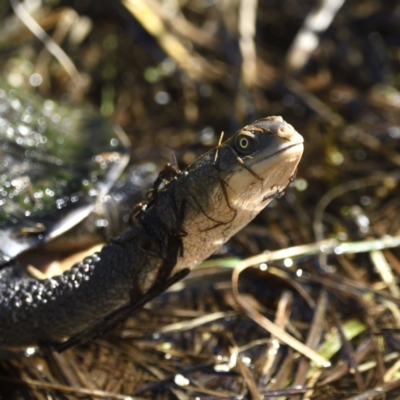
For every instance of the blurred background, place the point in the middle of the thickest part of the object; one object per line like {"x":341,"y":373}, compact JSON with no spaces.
{"x":174,"y":74}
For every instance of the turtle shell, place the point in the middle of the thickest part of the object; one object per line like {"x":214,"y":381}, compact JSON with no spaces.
{"x":56,"y":161}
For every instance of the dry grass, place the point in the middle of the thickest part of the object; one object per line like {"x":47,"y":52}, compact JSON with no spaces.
{"x":173,"y":76}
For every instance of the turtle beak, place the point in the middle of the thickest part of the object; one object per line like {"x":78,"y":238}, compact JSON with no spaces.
{"x":274,"y":163}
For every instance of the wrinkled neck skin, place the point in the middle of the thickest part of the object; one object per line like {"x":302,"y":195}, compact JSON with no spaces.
{"x":186,"y":221}
{"x":213,"y":210}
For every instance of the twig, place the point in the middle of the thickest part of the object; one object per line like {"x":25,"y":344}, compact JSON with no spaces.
{"x":51,"y":46}
{"x":247,"y":30}
{"x":307,"y":39}
{"x":191,"y":62}
{"x":376,"y":392}
{"x":272,"y":328}
{"x":66,"y":389}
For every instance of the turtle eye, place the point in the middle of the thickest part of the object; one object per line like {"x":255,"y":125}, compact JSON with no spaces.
{"x":246,"y":143}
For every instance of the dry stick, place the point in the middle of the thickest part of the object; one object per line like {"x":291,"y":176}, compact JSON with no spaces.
{"x":303,"y":46}
{"x":374,"y":144}
{"x":283,"y":376}
{"x":273,"y":329}
{"x":67,"y":389}
{"x":249,"y":379}
{"x":313,"y":338}
{"x":162,"y":378}
{"x":195,"y":322}
{"x":281,"y":319}
{"x":349,"y":352}
{"x":61,"y":31}
{"x":190,"y":61}
{"x":51,"y":46}
{"x":314,"y":103}
{"x":393,"y":260}
{"x":173,"y":16}
{"x":376,"y":392}
{"x":392,"y":371}
{"x":247,"y":30}
{"x":307,"y":39}
{"x":384,"y":269}
{"x":363,"y":350}
{"x":337,"y":191}
{"x":298,"y":287}
{"x":326,"y":247}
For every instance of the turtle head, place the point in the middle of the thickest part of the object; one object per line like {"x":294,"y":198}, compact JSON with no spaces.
{"x":264,"y":158}
{"x":228,"y":186}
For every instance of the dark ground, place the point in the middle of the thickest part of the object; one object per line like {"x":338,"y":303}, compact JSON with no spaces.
{"x":177,"y":87}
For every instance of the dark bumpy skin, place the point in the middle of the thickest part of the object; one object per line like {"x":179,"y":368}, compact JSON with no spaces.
{"x":186,"y":218}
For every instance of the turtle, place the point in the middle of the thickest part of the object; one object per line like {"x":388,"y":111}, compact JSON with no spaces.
{"x":58,"y":163}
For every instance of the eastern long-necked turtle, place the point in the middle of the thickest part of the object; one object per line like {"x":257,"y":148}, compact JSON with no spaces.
{"x":57,"y":162}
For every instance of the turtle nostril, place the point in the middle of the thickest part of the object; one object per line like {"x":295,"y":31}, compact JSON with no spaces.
{"x":286,"y":131}
{"x":289,"y":133}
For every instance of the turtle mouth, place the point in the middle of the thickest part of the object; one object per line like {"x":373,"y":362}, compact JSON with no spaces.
{"x":285,"y":149}
{"x":264,"y":166}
